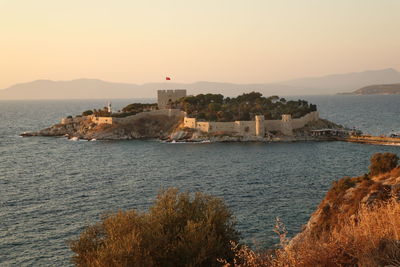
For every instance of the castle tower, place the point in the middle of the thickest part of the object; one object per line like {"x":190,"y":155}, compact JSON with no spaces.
{"x":287,"y":127}
{"x":166,"y":97}
{"x":260,"y":125}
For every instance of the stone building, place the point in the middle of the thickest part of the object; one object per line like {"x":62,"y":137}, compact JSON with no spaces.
{"x":259,"y":127}
{"x":165,"y":98}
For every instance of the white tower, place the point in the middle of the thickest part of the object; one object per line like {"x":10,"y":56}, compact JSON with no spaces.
{"x":109,"y":108}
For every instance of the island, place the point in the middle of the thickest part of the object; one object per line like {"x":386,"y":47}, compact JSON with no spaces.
{"x":377,"y":89}
{"x":196,"y":118}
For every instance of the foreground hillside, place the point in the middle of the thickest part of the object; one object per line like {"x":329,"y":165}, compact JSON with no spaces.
{"x":356,"y":224}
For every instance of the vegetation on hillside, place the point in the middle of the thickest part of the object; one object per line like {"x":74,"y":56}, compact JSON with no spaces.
{"x":383,"y":162}
{"x":216,"y":107}
{"x":179,"y":230}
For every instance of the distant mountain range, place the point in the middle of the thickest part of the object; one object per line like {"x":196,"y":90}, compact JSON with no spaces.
{"x":94,"y":88}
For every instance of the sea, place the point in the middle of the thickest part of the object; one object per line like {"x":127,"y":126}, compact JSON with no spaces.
{"x":51,"y":187}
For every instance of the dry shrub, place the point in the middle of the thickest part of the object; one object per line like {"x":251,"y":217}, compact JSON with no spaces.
{"x":383,"y":162}
{"x":373,"y":237}
{"x":369,"y":239}
{"x":179,"y":230}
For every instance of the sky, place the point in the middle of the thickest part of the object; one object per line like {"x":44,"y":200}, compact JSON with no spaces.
{"x":240,"y":41}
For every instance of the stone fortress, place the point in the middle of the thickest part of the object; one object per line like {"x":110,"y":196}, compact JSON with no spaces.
{"x":258,"y":128}
{"x":165,"y":98}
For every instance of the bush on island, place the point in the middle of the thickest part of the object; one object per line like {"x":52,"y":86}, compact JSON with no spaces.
{"x":178,"y":230}
{"x":87,"y":113}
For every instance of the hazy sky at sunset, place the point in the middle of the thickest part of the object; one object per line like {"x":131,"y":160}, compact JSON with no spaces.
{"x":214,"y":40}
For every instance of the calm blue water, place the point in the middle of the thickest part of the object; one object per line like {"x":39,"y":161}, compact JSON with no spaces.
{"x":50,"y":188}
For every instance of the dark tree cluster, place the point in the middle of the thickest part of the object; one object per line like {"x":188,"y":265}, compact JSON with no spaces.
{"x":216,"y":107}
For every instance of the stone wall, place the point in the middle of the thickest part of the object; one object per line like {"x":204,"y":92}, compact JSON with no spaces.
{"x":111,"y":120}
{"x":103,"y":120}
{"x":258,"y":127}
{"x":301,"y":122}
{"x":166,"y":112}
{"x":72,"y":120}
{"x":165,"y":97}
{"x":246,"y":128}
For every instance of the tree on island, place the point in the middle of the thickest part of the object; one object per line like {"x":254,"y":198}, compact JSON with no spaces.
{"x":214,"y":107}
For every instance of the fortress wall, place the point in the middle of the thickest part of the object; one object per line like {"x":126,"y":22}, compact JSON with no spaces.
{"x":222,"y":127}
{"x":103,"y":120}
{"x":273,"y":125}
{"x":189,"y":122}
{"x":145,"y":114}
{"x":165,"y":112}
{"x":75,"y":120}
{"x":245,"y":127}
{"x":287,"y":128}
{"x":285,"y":125}
{"x":301,"y":122}
{"x":203,"y":126}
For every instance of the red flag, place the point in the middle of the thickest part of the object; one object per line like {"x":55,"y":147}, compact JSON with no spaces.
{"x":168,"y":78}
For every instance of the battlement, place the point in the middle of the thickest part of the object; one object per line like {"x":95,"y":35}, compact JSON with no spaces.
{"x":165,"y":98}
{"x":168,"y":91}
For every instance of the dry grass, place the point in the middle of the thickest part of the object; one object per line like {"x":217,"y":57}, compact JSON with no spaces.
{"x":369,"y":239}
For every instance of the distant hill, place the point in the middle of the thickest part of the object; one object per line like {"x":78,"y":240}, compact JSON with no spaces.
{"x":94,"y":88}
{"x":379,"y":89}
{"x":339,"y":83}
